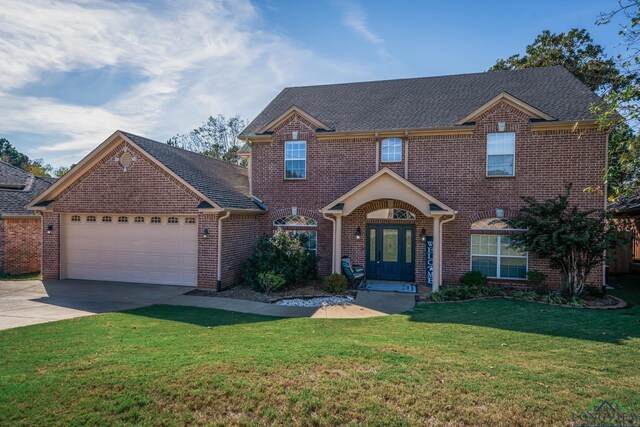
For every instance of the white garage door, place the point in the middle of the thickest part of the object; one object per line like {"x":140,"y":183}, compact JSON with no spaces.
{"x":131,"y":248}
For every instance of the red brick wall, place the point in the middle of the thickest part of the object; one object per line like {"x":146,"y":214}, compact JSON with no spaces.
{"x":50,"y":246}
{"x":239,"y":235}
{"x":207,"y":251}
{"x":451,"y":168}
{"x":21,"y":245}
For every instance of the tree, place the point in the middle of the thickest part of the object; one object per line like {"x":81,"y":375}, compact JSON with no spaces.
{"x":9,"y":154}
{"x":573,"y":240}
{"x":60,"y":171}
{"x":217,"y":137}
{"x":576,"y":51}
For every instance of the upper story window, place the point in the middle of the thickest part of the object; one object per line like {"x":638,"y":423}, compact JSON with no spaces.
{"x":295,"y":159}
{"x":392,"y":150}
{"x":501,"y":149}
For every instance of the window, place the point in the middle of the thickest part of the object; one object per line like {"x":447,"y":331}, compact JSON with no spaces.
{"x":493,"y":224}
{"x":311,"y":238}
{"x":91,"y":218}
{"x":172,"y":220}
{"x":75,"y":218}
{"x":122,"y":219}
{"x":493,"y":256}
{"x":155,"y":220}
{"x":501,"y":148}
{"x":391,"y":214}
{"x":295,"y":159}
{"x":295,"y":220}
{"x":138,"y":219}
{"x":392,"y":150}
{"x":189,"y":220}
{"x":106,"y":219}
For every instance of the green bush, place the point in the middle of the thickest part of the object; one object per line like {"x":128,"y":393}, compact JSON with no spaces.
{"x":538,"y":281}
{"x":281,"y":254}
{"x":553,"y":298}
{"x":526,"y":295}
{"x":457,"y":293}
{"x":473,"y":278}
{"x":335,"y":283}
{"x":269,"y":282}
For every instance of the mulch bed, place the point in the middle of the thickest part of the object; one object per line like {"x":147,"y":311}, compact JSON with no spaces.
{"x":245,"y":292}
{"x":607,"y":302}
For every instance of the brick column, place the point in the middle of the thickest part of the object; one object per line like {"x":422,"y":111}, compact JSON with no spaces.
{"x":50,"y":245}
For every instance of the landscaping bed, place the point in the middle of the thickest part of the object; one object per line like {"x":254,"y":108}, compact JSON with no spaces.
{"x":310,"y":290}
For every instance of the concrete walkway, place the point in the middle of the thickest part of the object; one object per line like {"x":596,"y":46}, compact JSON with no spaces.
{"x":366,"y":304}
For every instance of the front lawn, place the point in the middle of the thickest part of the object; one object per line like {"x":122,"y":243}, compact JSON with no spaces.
{"x":491,"y":362}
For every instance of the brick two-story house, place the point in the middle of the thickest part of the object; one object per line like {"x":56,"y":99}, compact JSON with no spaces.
{"x":415,"y":179}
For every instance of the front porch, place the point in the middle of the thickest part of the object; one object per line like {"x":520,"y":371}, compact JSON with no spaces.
{"x":392,"y":229}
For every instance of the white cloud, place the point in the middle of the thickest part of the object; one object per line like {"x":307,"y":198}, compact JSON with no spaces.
{"x":354,"y":18}
{"x":198,"y":58}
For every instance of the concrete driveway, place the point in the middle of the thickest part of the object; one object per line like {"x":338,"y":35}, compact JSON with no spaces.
{"x":29,"y":302}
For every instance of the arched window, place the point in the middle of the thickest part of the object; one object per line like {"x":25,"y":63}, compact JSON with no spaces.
{"x":295,"y":221}
{"x":391,"y":214}
{"x":172,"y":220}
{"x":138,"y":219}
{"x":155,"y":220}
{"x":91,"y":218}
{"x":493,"y":254}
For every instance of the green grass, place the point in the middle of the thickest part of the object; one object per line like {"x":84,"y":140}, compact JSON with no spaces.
{"x":27,"y":276}
{"x":491,"y":362}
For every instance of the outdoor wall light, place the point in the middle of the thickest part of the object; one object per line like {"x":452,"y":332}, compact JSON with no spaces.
{"x":358,"y":233}
{"x":423,"y":235}
{"x":49,"y":228}
{"x":205,"y":234}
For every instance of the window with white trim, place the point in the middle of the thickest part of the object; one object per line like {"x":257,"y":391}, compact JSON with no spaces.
{"x":311,"y":240}
{"x":391,"y":150}
{"x":138,"y":219}
{"x":493,"y":256}
{"x":123,"y":219}
{"x":172,"y":220}
{"x":155,"y":220}
{"x":391,"y":214}
{"x":75,"y":218}
{"x":501,"y":153}
{"x":91,"y":218}
{"x":295,"y":159}
{"x":106,"y":219}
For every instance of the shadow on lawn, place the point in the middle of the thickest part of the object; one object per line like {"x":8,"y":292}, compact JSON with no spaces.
{"x":610,"y":326}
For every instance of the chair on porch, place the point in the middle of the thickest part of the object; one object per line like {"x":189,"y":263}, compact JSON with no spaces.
{"x":355,"y":273}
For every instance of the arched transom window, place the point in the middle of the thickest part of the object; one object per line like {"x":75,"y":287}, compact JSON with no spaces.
{"x":493,"y":224}
{"x":391,"y":214}
{"x":295,"y":221}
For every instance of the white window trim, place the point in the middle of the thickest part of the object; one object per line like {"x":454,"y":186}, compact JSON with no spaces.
{"x":382,"y":160}
{"x":294,"y":230}
{"x":498,"y":256}
{"x":486,"y":148}
{"x":305,"y":160}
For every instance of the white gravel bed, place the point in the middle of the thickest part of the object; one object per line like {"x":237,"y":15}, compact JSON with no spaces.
{"x":314,"y":302}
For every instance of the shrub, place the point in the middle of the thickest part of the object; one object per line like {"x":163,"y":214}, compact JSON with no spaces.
{"x":457,"y":293}
{"x":282,"y":254}
{"x":538,"y":281}
{"x":553,"y":298}
{"x":269,"y":282}
{"x":526,"y":295}
{"x":335,"y":283}
{"x":473,"y":278}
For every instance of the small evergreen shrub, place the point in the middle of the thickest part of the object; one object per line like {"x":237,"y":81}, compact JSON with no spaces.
{"x":538,"y":281}
{"x":457,"y":293}
{"x":473,"y":278}
{"x":269,"y":282}
{"x":282,"y":254}
{"x":553,"y":298}
{"x":335,"y":283}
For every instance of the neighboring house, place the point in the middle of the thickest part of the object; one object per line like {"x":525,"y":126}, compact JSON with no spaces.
{"x":20,"y":229}
{"x":415,"y":179}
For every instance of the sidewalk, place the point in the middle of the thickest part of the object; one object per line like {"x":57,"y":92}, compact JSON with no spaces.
{"x":366,"y":304}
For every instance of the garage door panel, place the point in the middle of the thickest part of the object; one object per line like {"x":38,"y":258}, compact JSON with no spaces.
{"x":132,"y":252}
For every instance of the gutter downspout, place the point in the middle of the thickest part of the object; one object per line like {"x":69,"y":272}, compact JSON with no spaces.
{"x":440,"y":246}
{"x":333,"y":242}
{"x":219,"y":275}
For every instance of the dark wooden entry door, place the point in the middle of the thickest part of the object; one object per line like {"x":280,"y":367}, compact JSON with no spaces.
{"x":390,"y":252}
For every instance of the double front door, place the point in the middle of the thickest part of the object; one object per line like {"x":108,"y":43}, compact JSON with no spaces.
{"x":391,"y":252}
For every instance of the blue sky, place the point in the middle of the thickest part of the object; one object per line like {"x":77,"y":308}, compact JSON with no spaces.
{"x":79,"y":70}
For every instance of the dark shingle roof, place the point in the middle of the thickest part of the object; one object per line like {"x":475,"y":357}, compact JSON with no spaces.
{"x":224,"y":183}
{"x":23,"y":188}
{"x":430,"y":102}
